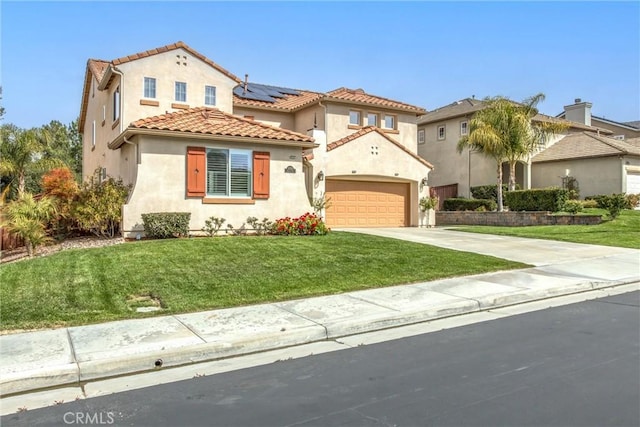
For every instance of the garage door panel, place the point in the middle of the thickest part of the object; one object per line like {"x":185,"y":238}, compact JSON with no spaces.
{"x":367,"y":204}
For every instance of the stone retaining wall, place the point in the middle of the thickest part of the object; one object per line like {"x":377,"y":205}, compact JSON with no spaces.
{"x":512,"y":219}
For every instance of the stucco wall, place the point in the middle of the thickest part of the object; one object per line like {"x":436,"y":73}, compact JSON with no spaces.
{"x":304,"y":119}
{"x":272,"y":118}
{"x":160,"y":186}
{"x":595,"y":176}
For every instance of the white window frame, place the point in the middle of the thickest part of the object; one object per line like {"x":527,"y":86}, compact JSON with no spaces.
{"x":146,"y":89}
{"x":359,"y":117}
{"x":207,"y":96}
{"x":229,"y":173}
{"x":116,"y":104}
{"x":421,"y":136}
{"x":180,"y":92}
{"x":444,"y":132}
{"x":464,"y":127}
{"x":394,"y":122}
{"x":93,"y":133}
{"x":377,"y":119}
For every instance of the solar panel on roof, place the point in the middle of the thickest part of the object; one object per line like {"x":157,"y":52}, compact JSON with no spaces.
{"x":264,"y":93}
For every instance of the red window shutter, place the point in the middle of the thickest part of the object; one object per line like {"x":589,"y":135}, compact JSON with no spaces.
{"x":261,"y":175}
{"x":196,"y":171}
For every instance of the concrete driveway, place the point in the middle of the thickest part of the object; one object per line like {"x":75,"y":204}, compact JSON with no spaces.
{"x":536,"y":252}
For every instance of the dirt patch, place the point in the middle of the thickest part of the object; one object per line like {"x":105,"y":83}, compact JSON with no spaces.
{"x":73,"y":243}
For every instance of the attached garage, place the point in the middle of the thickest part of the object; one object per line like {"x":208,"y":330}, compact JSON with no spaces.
{"x":633,"y":180}
{"x":367,"y":204}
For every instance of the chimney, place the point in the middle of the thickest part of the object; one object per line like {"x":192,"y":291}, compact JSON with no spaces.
{"x":246,"y":81}
{"x":579,"y":112}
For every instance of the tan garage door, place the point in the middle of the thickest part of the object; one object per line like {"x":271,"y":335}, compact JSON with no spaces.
{"x":367,"y":204}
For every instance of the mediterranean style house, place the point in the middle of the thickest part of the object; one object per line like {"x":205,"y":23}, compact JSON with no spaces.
{"x":439,"y":132}
{"x":190,"y":136}
{"x":580,"y":112}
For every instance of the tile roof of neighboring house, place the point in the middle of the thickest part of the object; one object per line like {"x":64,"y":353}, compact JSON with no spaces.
{"x":368,"y":129}
{"x":359,"y":96}
{"x":459,"y":108}
{"x":211,"y":121}
{"x":587,"y":145}
{"x":633,"y":124}
{"x":469,"y":106}
{"x":286,"y":99}
{"x":99,"y":67}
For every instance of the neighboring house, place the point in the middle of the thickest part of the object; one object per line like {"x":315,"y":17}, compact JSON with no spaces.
{"x":189,"y":136}
{"x":580,"y":112}
{"x":439,"y":132}
{"x":600,"y":164}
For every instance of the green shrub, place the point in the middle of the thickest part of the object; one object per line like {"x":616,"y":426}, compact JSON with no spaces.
{"x":213,"y":225}
{"x":461,"y":204}
{"x":489,"y":191}
{"x":260,"y":227}
{"x":307,"y":224}
{"x":27,"y":217}
{"x":599,"y":199}
{"x":614,"y":204}
{"x":165,"y":225}
{"x":633,"y":201}
{"x":98,"y":208}
{"x":543,"y":199}
{"x":573,"y":206}
{"x":589,"y":204}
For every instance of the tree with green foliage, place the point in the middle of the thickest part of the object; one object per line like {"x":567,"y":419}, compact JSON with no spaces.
{"x":1,"y":107}
{"x":28,"y":217}
{"x":505,"y":131}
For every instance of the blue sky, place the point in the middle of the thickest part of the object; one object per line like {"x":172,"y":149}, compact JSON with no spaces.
{"x":424,"y":53}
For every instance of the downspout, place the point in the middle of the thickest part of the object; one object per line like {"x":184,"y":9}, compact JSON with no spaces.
{"x":134,"y":178}
{"x":118,"y":72}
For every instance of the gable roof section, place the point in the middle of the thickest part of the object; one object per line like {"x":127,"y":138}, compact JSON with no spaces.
{"x":359,"y":96}
{"x":459,"y":108}
{"x":468,"y":106}
{"x":99,"y":68}
{"x":635,"y":125}
{"x":368,"y":129}
{"x":203,"y":121}
{"x":272,"y":97}
{"x":586,"y":145}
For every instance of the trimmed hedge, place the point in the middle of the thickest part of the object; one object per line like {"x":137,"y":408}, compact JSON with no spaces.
{"x":489,"y":191}
{"x":542,"y":199}
{"x":165,"y":225}
{"x":461,"y":204}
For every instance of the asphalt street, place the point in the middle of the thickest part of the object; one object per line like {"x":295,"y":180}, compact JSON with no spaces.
{"x":575,"y":365}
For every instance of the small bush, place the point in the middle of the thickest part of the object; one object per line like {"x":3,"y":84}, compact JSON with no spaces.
{"x":489,"y":191}
{"x":614,"y":204}
{"x":544,"y":199}
{"x":307,"y":224}
{"x":260,"y":227}
{"x":460,"y":204}
{"x":573,"y":206}
{"x":589,"y":204}
{"x":633,"y":201}
{"x":165,"y":225}
{"x":213,"y":225}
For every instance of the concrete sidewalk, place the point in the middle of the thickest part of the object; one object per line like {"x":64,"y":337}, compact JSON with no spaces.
{"x":72,"y":356}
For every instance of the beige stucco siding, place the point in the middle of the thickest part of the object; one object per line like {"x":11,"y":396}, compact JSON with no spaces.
{"x":306,"y":118}
{"x":160,"y":185}
{"x":168,"y":68}
{"x":272,"y":118}
{"x":595,"y":176}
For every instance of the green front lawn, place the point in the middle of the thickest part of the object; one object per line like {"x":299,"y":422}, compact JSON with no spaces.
{"x":93,"y":285}
{"x":623,"y":231}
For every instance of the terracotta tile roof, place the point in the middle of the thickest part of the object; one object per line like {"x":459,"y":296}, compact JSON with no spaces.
{"x":211,"y":121}
{"x":587,"y":145}
{"x":168,"y":48}
{"x":359,"y":96}
{"x":288,"y":102}
{"x":97,"y":67}
{"x":368,"y":129}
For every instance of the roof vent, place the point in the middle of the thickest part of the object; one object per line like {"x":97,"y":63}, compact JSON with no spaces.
{"x":577,"y":100}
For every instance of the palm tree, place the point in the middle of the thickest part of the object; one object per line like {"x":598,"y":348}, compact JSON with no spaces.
{"x":505,"y":131}
{"x":28,"y":217}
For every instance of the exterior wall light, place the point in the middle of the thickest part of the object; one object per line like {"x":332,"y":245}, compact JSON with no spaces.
{"x":320,"y":176}
{"x":424,"y":182}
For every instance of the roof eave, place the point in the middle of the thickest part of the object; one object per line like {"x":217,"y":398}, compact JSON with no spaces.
{"x":413,"y":110}
{"x":133,"y":131}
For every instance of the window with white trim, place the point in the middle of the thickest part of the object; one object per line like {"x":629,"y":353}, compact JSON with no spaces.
{"x":372,"y":119}
{"x":116,"y":104}
{"x":421,"y":136}
{"x":149,"y":87}
{"x":93,"y":134}
{"x":355,"y":118}
{"x":229,"y":172}
{"x":464,"y":128}
{"x":209,"y":95}
{"x":389,"y":122}
{"x":441,"y":132}
{"x":181,"y":92}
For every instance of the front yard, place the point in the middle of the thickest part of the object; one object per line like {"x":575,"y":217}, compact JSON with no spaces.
{"x":623,"y":231}
{"x":77,"y":287}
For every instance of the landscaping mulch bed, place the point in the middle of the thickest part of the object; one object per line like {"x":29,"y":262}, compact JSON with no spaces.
{"x":83,"y":242}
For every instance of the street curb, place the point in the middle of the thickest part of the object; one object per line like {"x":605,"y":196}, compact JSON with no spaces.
{"x":76,"y":373}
